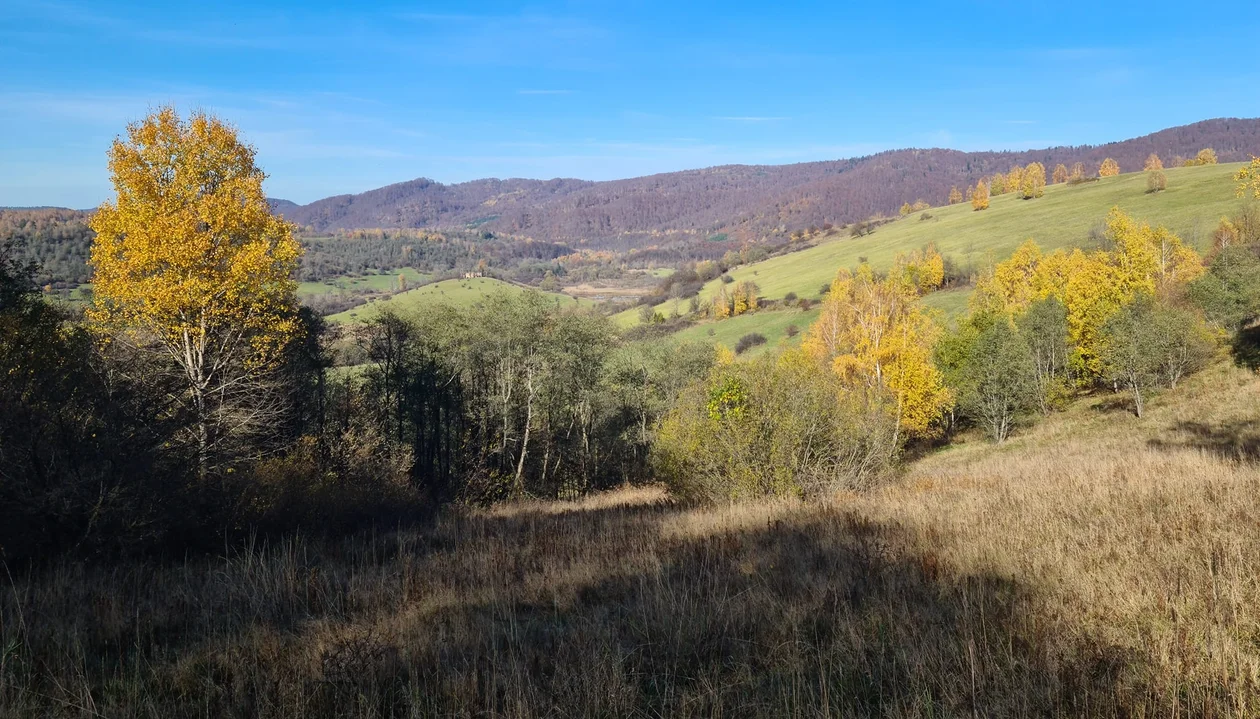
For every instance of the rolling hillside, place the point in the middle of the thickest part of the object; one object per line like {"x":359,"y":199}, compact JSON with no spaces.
{"x":460,"y":293}
{"x":1196,"y":198}
{"x":736,"y":202}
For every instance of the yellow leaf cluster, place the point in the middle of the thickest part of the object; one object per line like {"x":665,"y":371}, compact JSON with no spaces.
{"x":875,"y":336}
{"x":1033,"y":181}
{"x":1060,"y":175}
{"x":188,"y":253}
{"x":1206,"y":156}
{"x":1108,"y":168}
{"x":1092,"y":286}
{"x":980,"y":197}
{"x":922,"y":271}
{"x":1248,"y":179}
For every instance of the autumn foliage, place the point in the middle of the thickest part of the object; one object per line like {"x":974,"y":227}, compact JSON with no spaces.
{"x":1092,"y":286}
{"x":980,"y":196}
{"x":1108,"y":168}
{"x":190,"y":262}
{"x":1033,"y":181}
{"x":876,"y":337}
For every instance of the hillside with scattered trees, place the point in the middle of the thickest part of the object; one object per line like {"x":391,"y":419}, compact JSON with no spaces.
{"x":215,"y":502}
{"x":742,"y":202}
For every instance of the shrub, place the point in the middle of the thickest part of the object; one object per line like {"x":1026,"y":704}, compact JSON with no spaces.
{"x":789,"y":298}
{"x":792,"y":331}
{"x":771,"y":428}
{"x":749,"y":341}
{"x":1156,"y":181}
{"x":727,"y":279}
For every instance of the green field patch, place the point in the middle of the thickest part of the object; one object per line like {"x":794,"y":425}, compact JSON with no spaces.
{"x":457,"y":293}
{"x":378,"y":282}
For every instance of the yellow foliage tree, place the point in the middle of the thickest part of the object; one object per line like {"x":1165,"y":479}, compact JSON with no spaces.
{"x":875,"y":337}
{"x":922,"y":271}
{"x":905,"y":209}
{"x":1206,"y":156}
{"x":955,"y":196}
{"x":1015,"y":179}
{"x":1108,"y":168}
{"x":1225,"y":235}
{"x":1248,"y":179}
{"x":750,"y":290}
{"x":1144,"y":260}
{"x":1153,"y":163}
{"x":721,"y":304}
{"x":1060,"y":175}
{"x":192,"y":266}
{"x":1077,"y":173}
{"x":1033,"y":183}
{"x":997,"y":186}
{"x":980,"y":197}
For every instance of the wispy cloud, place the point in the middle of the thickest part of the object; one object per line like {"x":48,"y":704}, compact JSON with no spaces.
{"x":544,"y":92}
{"x":750,"y":118}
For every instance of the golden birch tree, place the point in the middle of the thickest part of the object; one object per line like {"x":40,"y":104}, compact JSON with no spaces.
{"x":1033,"y":182}
{"x":980,"y":197}
{"x":875,"y":336}
{"x":1108,"y":168}
{"x":193,"y":269}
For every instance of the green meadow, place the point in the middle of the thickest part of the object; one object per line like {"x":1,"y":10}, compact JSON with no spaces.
{"x":383,"y":282}
{"x":1196,"y":199}
{"x":457,"y":292}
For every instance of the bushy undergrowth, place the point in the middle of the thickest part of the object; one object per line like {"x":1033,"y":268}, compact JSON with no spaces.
{"x":771,"y":427}
{"x":1096,"y":565}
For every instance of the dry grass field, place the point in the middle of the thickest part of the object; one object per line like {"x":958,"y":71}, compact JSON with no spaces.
{"x":1095,"y":565}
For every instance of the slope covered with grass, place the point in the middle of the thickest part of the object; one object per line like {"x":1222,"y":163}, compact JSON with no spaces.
{"x":1196,"y":199}
{"x":458,"y":293}
{"x":383,"y":282}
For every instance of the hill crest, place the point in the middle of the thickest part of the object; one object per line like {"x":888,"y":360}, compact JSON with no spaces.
{"x":741,"y":202}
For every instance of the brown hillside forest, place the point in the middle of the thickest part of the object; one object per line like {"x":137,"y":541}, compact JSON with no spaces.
{"x":1046,"y":508}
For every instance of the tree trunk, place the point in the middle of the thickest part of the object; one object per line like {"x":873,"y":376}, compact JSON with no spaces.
{"x":529,"y":420}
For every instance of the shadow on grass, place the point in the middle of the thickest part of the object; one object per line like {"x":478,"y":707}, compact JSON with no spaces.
{"x":1237,"y":440}
{"x":1245,"y":348}
{"x":602,"y":612}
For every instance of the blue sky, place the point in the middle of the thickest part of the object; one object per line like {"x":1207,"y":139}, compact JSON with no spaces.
{"x":342,"y":97}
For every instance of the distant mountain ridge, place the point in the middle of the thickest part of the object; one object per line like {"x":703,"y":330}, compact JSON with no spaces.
{"x":744,"y":202}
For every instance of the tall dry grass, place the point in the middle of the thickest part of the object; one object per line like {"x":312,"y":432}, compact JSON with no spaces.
{"x":1096,"y":565}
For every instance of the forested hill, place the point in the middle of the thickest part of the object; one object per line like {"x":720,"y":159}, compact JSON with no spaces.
{"x":745,"y":202}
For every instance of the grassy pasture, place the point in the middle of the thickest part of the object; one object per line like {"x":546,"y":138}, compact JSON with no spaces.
{"x":457,"y":292}
{"x":1196,"y":198}
{"x":383,"y":282}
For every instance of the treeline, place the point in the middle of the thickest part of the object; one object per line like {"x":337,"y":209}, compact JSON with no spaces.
{"x":99,"y":452}
{"x":56,"y":240}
